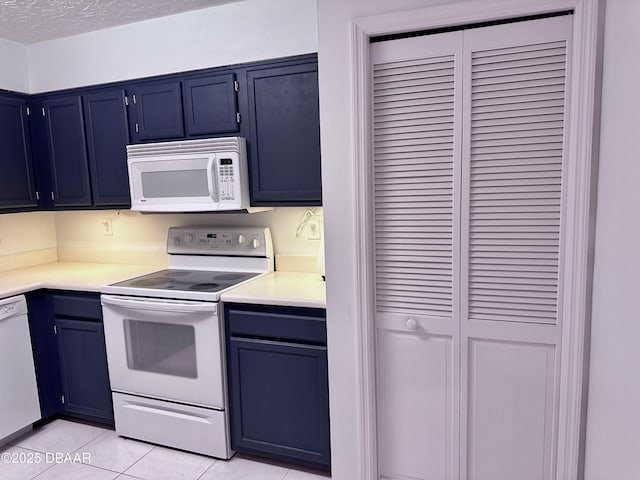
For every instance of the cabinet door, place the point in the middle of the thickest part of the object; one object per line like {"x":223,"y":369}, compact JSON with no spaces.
{"x":67,"y":152}
{"x":83,"y":363}
{"x":416,"y":222}
{"x":107,"y":132}
{"x":284,"y":149}
{"x":17,"y":187}
{"x":45,"y":353}
{"x":513,"y":211}
{"x":210,"y":105}
{"x":279,"y":400}
{"x":158,"y":111}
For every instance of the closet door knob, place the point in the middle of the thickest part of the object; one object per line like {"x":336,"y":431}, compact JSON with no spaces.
{"x":412,"y":324}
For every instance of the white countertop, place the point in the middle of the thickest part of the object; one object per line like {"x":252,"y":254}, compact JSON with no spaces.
{"x":293,"y":289}
{"x":87,"y":277}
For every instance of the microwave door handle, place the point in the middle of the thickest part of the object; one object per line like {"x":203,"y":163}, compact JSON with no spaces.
{"x":212,"y":173}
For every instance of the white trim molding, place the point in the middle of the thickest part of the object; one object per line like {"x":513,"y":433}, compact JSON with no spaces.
{"x":582,"y":150}
{"x":362,"y":129}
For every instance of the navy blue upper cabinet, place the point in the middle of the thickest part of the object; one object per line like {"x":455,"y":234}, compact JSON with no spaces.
{"x":107,"y":132}
{"x":157,"y":111}
{"x":17,"y":186}
{"x":284,"y":143}
{"x":67,"y":152}
{"x":70,"y":153}
{"x":210,"y":105}
{"x":191,"y":107}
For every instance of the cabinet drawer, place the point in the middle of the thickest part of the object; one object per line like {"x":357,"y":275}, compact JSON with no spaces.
{"x":76,"y":305}
{"x":196,"y":429}
{"x":305,"y":325}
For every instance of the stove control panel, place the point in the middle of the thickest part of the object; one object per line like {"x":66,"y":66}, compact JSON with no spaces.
{"x":240,"y":241}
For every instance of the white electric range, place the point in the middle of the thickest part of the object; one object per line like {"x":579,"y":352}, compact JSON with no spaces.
{"x":165,"y":340}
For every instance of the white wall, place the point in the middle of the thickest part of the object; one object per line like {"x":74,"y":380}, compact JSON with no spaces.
{"x":14,"y":73}
{"x":613,"y":419}
{"x":223,"y":35}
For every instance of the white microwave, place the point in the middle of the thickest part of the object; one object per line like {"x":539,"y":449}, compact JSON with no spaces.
{"x":207,"y":175}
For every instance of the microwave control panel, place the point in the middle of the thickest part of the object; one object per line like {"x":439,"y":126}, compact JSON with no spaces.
{"x":227,"y":175}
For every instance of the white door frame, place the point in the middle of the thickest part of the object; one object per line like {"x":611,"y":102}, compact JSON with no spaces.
{"x":582,"y":149}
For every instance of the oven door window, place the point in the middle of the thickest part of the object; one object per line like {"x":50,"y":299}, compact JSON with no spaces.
{"x":168,"y":349}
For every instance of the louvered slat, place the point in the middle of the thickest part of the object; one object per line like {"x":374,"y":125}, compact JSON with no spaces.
{"x":515,"y":182}
{"x":413,"y":115}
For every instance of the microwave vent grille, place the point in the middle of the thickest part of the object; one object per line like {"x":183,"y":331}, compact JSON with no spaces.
{"x":206,"y":145}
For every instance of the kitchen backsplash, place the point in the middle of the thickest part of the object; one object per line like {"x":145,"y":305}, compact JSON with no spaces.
{"x":141,"y":238}
{"x":123,"y":236}
{"x":27,"y":232}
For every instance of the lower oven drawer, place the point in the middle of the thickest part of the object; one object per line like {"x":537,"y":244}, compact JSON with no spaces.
{"x":195,"y":429}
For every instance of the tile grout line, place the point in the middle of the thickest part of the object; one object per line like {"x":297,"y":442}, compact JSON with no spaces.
{"x":116,"y":471}
{"x":87,"y":443}
{"x":136,"y":462}
{"x":36,"y":432}
{"x":128,"y":475}
{"x":34,"y":451}
{"x":215,"y":460}
{"x":73,"y":452}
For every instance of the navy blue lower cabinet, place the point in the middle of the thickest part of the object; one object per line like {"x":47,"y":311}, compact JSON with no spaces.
{"x":45,"y":353}
{"x":70,"y":356}
{"x":83,"y":363}
{"x":278,"y":390}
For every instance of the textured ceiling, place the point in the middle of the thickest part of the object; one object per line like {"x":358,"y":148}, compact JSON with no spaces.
{"x":32,"y":21}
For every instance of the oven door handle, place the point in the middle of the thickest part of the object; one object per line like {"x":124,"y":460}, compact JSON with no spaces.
{"x":160,"y":305}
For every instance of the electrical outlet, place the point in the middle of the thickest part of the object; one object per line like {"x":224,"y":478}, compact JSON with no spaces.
{"x":107,"y":226}
{"x":314,"y":229}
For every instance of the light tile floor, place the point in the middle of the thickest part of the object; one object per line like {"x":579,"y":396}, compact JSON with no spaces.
{"x":65,"y":450}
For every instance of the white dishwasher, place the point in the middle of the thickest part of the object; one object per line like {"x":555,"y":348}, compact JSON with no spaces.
{"x":19,"y":404}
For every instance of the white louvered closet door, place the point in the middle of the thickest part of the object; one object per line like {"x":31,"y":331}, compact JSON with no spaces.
{"x":416,"y":120}
{"x":468,"y":214}
{"x":513,"y":118}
